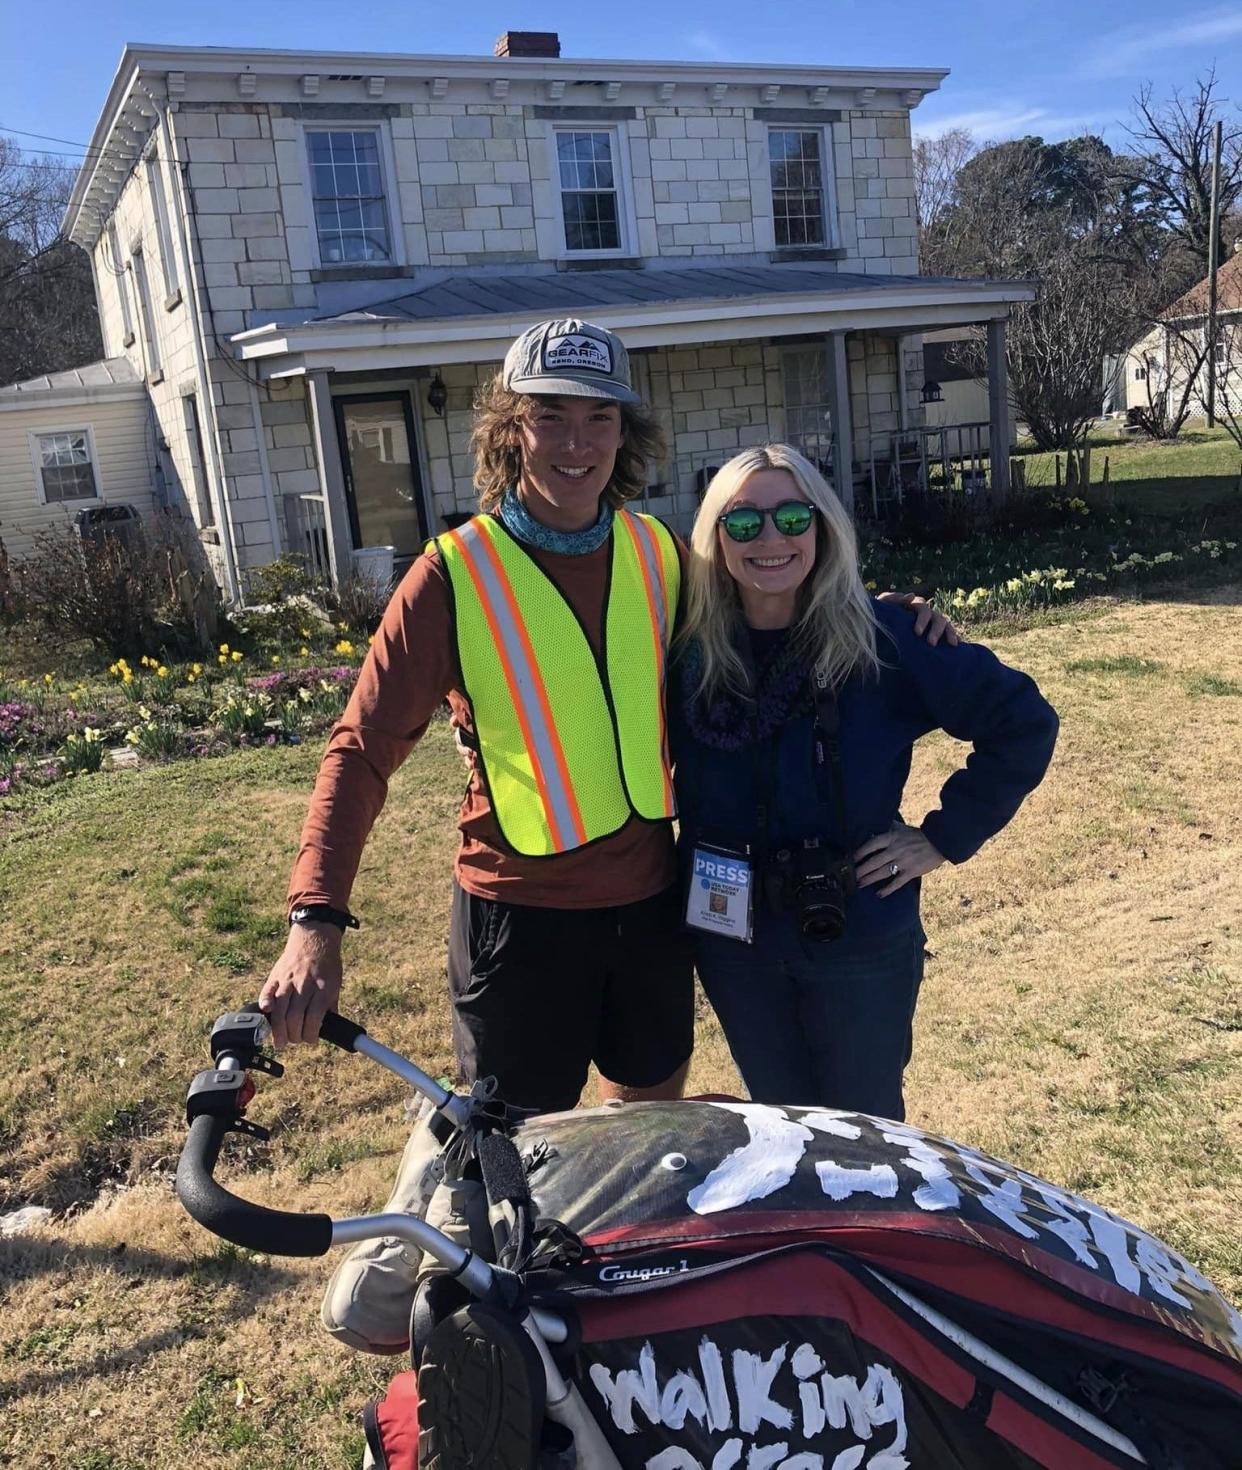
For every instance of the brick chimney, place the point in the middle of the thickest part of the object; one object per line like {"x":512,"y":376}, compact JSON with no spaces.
{"x":528,"y":43}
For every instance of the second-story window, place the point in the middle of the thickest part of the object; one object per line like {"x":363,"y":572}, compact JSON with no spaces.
{"x":347,"y":190}
{"x":591,"y":177}
{"x":116,"y":267}
{"x":150,"y":340}
{"x":163,"y":230}
{"x":801,"y":206}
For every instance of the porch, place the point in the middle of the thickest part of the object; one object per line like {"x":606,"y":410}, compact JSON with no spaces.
{"x":725,"y":358}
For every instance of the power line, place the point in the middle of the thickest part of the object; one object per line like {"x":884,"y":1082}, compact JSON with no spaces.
{"x":47,"y":138}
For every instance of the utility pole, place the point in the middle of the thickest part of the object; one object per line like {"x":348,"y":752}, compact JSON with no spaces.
{"x":1213,"y":265}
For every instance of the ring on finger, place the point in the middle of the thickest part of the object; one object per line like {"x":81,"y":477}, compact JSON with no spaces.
{"x":893,"y":869}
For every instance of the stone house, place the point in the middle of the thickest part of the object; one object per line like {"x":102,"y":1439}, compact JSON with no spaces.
{"x":312,"y":260}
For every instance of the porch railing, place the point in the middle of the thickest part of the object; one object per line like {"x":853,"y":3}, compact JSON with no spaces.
{"x":935,"y":460}
{"x":306,"y":529}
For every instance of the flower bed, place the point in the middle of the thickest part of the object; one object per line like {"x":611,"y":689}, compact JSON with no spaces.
{"x":994,"y":574}
{"x":51,"y":730}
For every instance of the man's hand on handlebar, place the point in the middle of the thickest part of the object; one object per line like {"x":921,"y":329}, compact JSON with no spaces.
{"x":304,"y":985}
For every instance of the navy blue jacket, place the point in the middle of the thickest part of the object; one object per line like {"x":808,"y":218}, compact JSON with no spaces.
{"x":965,"y":691}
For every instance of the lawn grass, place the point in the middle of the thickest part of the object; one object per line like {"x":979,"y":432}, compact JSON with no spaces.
{"x":1082,"y":1016}
{"x":1198,"y":469}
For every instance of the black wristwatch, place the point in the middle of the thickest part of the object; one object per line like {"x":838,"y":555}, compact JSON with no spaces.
{"x":323,"y":913}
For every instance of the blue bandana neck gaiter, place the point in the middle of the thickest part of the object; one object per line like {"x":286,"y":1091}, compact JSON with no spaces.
{"x":518,"y":520}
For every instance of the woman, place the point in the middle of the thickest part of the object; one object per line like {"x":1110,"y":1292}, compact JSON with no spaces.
{"x":798,"y":701}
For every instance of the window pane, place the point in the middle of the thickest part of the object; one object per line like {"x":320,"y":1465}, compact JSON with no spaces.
{"x":589,"y":201}
{"x":797,"y":186}
{"x":348,"y":185}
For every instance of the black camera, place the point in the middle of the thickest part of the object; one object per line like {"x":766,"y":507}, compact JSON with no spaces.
{"x":813,"y":883}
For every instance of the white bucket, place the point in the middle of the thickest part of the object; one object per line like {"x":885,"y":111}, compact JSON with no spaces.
{"x":375,"y":564}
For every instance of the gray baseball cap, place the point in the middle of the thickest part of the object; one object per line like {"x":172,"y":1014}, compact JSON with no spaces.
{"x":571,"y":359}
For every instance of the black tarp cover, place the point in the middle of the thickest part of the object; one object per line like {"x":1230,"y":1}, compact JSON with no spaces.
{"x":754,"y":1234}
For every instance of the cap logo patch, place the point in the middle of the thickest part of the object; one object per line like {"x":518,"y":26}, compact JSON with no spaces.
{"x":578,"y":352}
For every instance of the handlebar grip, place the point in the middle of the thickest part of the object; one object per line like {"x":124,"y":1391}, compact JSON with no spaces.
{"x":338,"y":1031}
{"x":275,"y":1232}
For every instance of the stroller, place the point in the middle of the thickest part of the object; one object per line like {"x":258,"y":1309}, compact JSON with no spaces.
{"x":719,"y":1285}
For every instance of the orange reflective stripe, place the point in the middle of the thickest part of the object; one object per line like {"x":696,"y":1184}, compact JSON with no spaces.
{"x":639,"y":533}
{"x":669,"y":610}
{"x":567,"y":794}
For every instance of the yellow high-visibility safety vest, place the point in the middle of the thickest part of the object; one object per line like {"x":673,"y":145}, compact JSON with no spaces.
{"x":571,"y":747}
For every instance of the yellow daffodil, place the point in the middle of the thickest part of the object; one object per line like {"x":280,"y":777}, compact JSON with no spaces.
{"x":344,"y":646}
{"x":275,"y":658}
{"x":161,"y":672}
{"x":196,"y":669}
{"x":48,"y":678}
{"x":304,"y":652}
{"x":223,"y":658}
{"x":190,"y":678}
{"x":127,"y":677}
{"x":224,"y":648}
{"x":236,"y":657}
{"x":306,"y":633}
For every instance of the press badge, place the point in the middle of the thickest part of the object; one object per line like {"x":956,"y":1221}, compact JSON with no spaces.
{"x":720,"y":894}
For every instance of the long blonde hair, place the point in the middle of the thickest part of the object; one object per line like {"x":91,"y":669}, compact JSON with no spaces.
{"x":835,"y":628}
{"x":496,"y":443}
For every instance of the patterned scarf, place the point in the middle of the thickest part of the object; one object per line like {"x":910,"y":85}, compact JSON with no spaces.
{"x":782,"y":692}
{"x":525,"y":527}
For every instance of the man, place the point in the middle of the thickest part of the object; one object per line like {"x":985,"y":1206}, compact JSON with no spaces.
{"x":545,"y":622}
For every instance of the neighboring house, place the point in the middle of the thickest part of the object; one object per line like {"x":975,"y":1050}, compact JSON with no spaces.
{"x":312,"y":260}
{"x":1163,"y":362}
{"x":962,"y":401}
{"x":70,"y":442}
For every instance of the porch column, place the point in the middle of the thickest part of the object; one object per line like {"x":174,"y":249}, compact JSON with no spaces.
{"x":331,"y":475}
{"x":842,"y":428}
{"x":998,"y":412}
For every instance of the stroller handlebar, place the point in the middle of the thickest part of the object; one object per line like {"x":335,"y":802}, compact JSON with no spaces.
{"x":275,"y":1232}
{"x":338,"y":1030}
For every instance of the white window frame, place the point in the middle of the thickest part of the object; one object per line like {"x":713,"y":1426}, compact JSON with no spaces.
{"x":163,"y":228}
{"x":828,"y":173}
{"x":388,"y":182}
{"x":196,"y":451}
{"x":118,"y":270}
{"x":627,"y":225}
{"x":146,"y":312}
{"x":33,"y":437}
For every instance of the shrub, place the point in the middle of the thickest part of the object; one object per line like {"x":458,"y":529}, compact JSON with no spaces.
{"x":124,"y":596}
{"x":359,"y":602}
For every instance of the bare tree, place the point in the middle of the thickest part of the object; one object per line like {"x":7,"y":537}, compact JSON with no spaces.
{"x":48,"y":317}
{"x":937,"y":163}
{"x":1173,"y":164}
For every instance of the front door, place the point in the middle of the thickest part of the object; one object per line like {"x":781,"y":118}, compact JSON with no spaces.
{"x":382,"y":482}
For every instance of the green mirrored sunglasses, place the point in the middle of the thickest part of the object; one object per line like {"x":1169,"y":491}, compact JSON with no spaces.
{"x":745,"y":522}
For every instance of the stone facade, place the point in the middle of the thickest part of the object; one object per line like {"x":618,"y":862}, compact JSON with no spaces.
{"x":469,"y":184}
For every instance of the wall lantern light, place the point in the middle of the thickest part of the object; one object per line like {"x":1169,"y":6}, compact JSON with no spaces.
{"x":437,"y":395}
{"x":932,"y":393}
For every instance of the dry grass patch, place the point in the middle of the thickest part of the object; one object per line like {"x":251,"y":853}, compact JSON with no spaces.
{"x":1082,"y":1015}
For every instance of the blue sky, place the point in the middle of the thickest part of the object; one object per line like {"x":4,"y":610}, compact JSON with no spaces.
{"x":1057,"y":67}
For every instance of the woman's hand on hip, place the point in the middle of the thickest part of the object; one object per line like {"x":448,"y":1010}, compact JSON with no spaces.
{"x":894,"y":858}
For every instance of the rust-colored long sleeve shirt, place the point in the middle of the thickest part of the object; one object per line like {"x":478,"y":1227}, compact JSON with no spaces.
{"x":411,"y":668}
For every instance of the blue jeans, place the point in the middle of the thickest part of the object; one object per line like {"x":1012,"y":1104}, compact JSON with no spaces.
{"x":823,"y":1024}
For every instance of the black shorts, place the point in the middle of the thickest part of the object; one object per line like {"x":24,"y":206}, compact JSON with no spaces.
{"x":539,"y":994}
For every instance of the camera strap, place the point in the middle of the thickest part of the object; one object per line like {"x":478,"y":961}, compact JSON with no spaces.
{"x":827,"y":746}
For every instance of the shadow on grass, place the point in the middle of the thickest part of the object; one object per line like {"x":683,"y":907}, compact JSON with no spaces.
{"x":250,"y":1282}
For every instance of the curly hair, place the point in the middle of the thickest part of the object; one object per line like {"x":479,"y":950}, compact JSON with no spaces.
{"x":495,"y":442}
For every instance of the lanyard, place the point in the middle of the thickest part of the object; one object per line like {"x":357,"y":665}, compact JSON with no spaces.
{"x":826,"y":752}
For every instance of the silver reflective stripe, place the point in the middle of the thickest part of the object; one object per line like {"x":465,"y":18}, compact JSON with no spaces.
{"x":565,"y":832}
{"x":649,"y":551}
